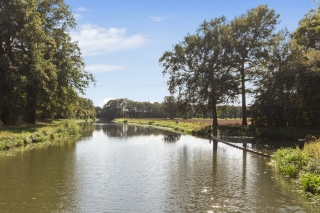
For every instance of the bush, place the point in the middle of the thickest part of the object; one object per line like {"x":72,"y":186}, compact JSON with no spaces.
{"x":311,"y":183}
{"x":289,"y":161}
{"x":312,"y":149}
{"x":73,"y":128}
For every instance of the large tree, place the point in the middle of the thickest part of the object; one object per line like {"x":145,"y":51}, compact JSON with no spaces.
{"x":252,"y":33}
{"x":274,"y":99}
{"x":308,"y":32}
{"x":12,"y":22}
{"x":41,"y":70}
{"x":199,"y":68}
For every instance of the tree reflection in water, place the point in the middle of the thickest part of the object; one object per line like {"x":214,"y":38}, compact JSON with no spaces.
{"x":87,"y":129}
{"x":171,"y":138}
{"x":126,"y":131}
{"x":117,"y":130}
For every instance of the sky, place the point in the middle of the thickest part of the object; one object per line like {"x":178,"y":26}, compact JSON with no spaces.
{"x":122,"y":40}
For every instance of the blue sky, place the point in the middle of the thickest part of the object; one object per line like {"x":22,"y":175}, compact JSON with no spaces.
{"x":122,"y":40}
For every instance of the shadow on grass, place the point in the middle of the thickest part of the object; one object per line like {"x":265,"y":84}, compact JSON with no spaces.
{"x":29,"y":127}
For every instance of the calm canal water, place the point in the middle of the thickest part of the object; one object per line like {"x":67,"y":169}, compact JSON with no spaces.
{"x":122,"y":168}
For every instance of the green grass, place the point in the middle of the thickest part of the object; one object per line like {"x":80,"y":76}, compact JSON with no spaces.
{"x":198,"y":128}
{"x":11,"y":137}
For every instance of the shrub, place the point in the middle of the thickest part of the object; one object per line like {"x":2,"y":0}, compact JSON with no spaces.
{"x":311,"y":183}
{"x":73,"y":129}
{"x":289,"y":161}
{"x":312,"y":149}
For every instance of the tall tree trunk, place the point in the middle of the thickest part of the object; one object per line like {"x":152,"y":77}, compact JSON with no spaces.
{"x":31,"y":107}
{"x":243,"y":94}
{"x":6,"y":116}
{"x":214,"y":111}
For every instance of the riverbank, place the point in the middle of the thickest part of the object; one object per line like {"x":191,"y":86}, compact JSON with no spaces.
{"x":302,"y":166}
{"x":192,"y":128}
{"x":18,"y":136}
{"x":226,"y":128}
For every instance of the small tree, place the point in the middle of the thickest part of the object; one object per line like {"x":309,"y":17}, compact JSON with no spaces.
{"x":170,"y":106}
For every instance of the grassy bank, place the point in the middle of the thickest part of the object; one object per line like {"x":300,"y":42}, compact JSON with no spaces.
{"x":196,"y":128}
{"x":303,"y":166}
{"x":200,"y":126}
{"x":18,"y":136}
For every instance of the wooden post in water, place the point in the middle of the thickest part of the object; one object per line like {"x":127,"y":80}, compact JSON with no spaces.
{"x":215,"y":142}
{"x":215,"y":145}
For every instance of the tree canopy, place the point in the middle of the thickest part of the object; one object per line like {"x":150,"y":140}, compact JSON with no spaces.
{"x":209,"y":67}
{"x":41,"y":69}
{"x":288,"y":92}
{"x":252,"y":34}
{"x":197,"y":68}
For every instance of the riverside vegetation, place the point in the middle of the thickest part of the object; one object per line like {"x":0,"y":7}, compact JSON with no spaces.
{"x":303,"y":166}
{"x":13,"y":137}
{"x":200,"y":128}
{"x":183,"y":127}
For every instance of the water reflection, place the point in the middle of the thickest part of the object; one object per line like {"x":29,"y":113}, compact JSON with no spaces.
{"x":87,"y":130}
{"x":123,"y":168}
{"x":268,"y":146}
{"x":127,"y":131}
{"x":38,"y":178}
{"x":172,"y":137}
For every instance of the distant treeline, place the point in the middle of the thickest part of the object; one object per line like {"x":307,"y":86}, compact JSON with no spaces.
{"x":169,"y":108}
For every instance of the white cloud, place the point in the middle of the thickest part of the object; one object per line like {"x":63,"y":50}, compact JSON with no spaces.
{"x":81,"y":9}
{"x":105,"y":101}
{"x":77,"y":16}
{"x":102,"y":68}
{"x":95,"y":40}
{"x":157,"y":18}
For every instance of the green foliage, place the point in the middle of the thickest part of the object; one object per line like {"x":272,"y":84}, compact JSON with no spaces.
{"x":151,"y":122}
{"x":98,"y":111}
{"x":287,"y":93}
{"x":41,"y":75}
{"x":311,"y":183}
{"x":252,"y":34}
{"x":85,"y":109}
{"x":289,"y":161}
{"x":304,"y":164}
{"x":199,"y":68}
{"x":170,"y":106}
{"x":64,"y":129}
{"x":184,"y":127}
{"x":234,"y":130}
{"x":125,"y":108}
{"x":307,"y":34}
